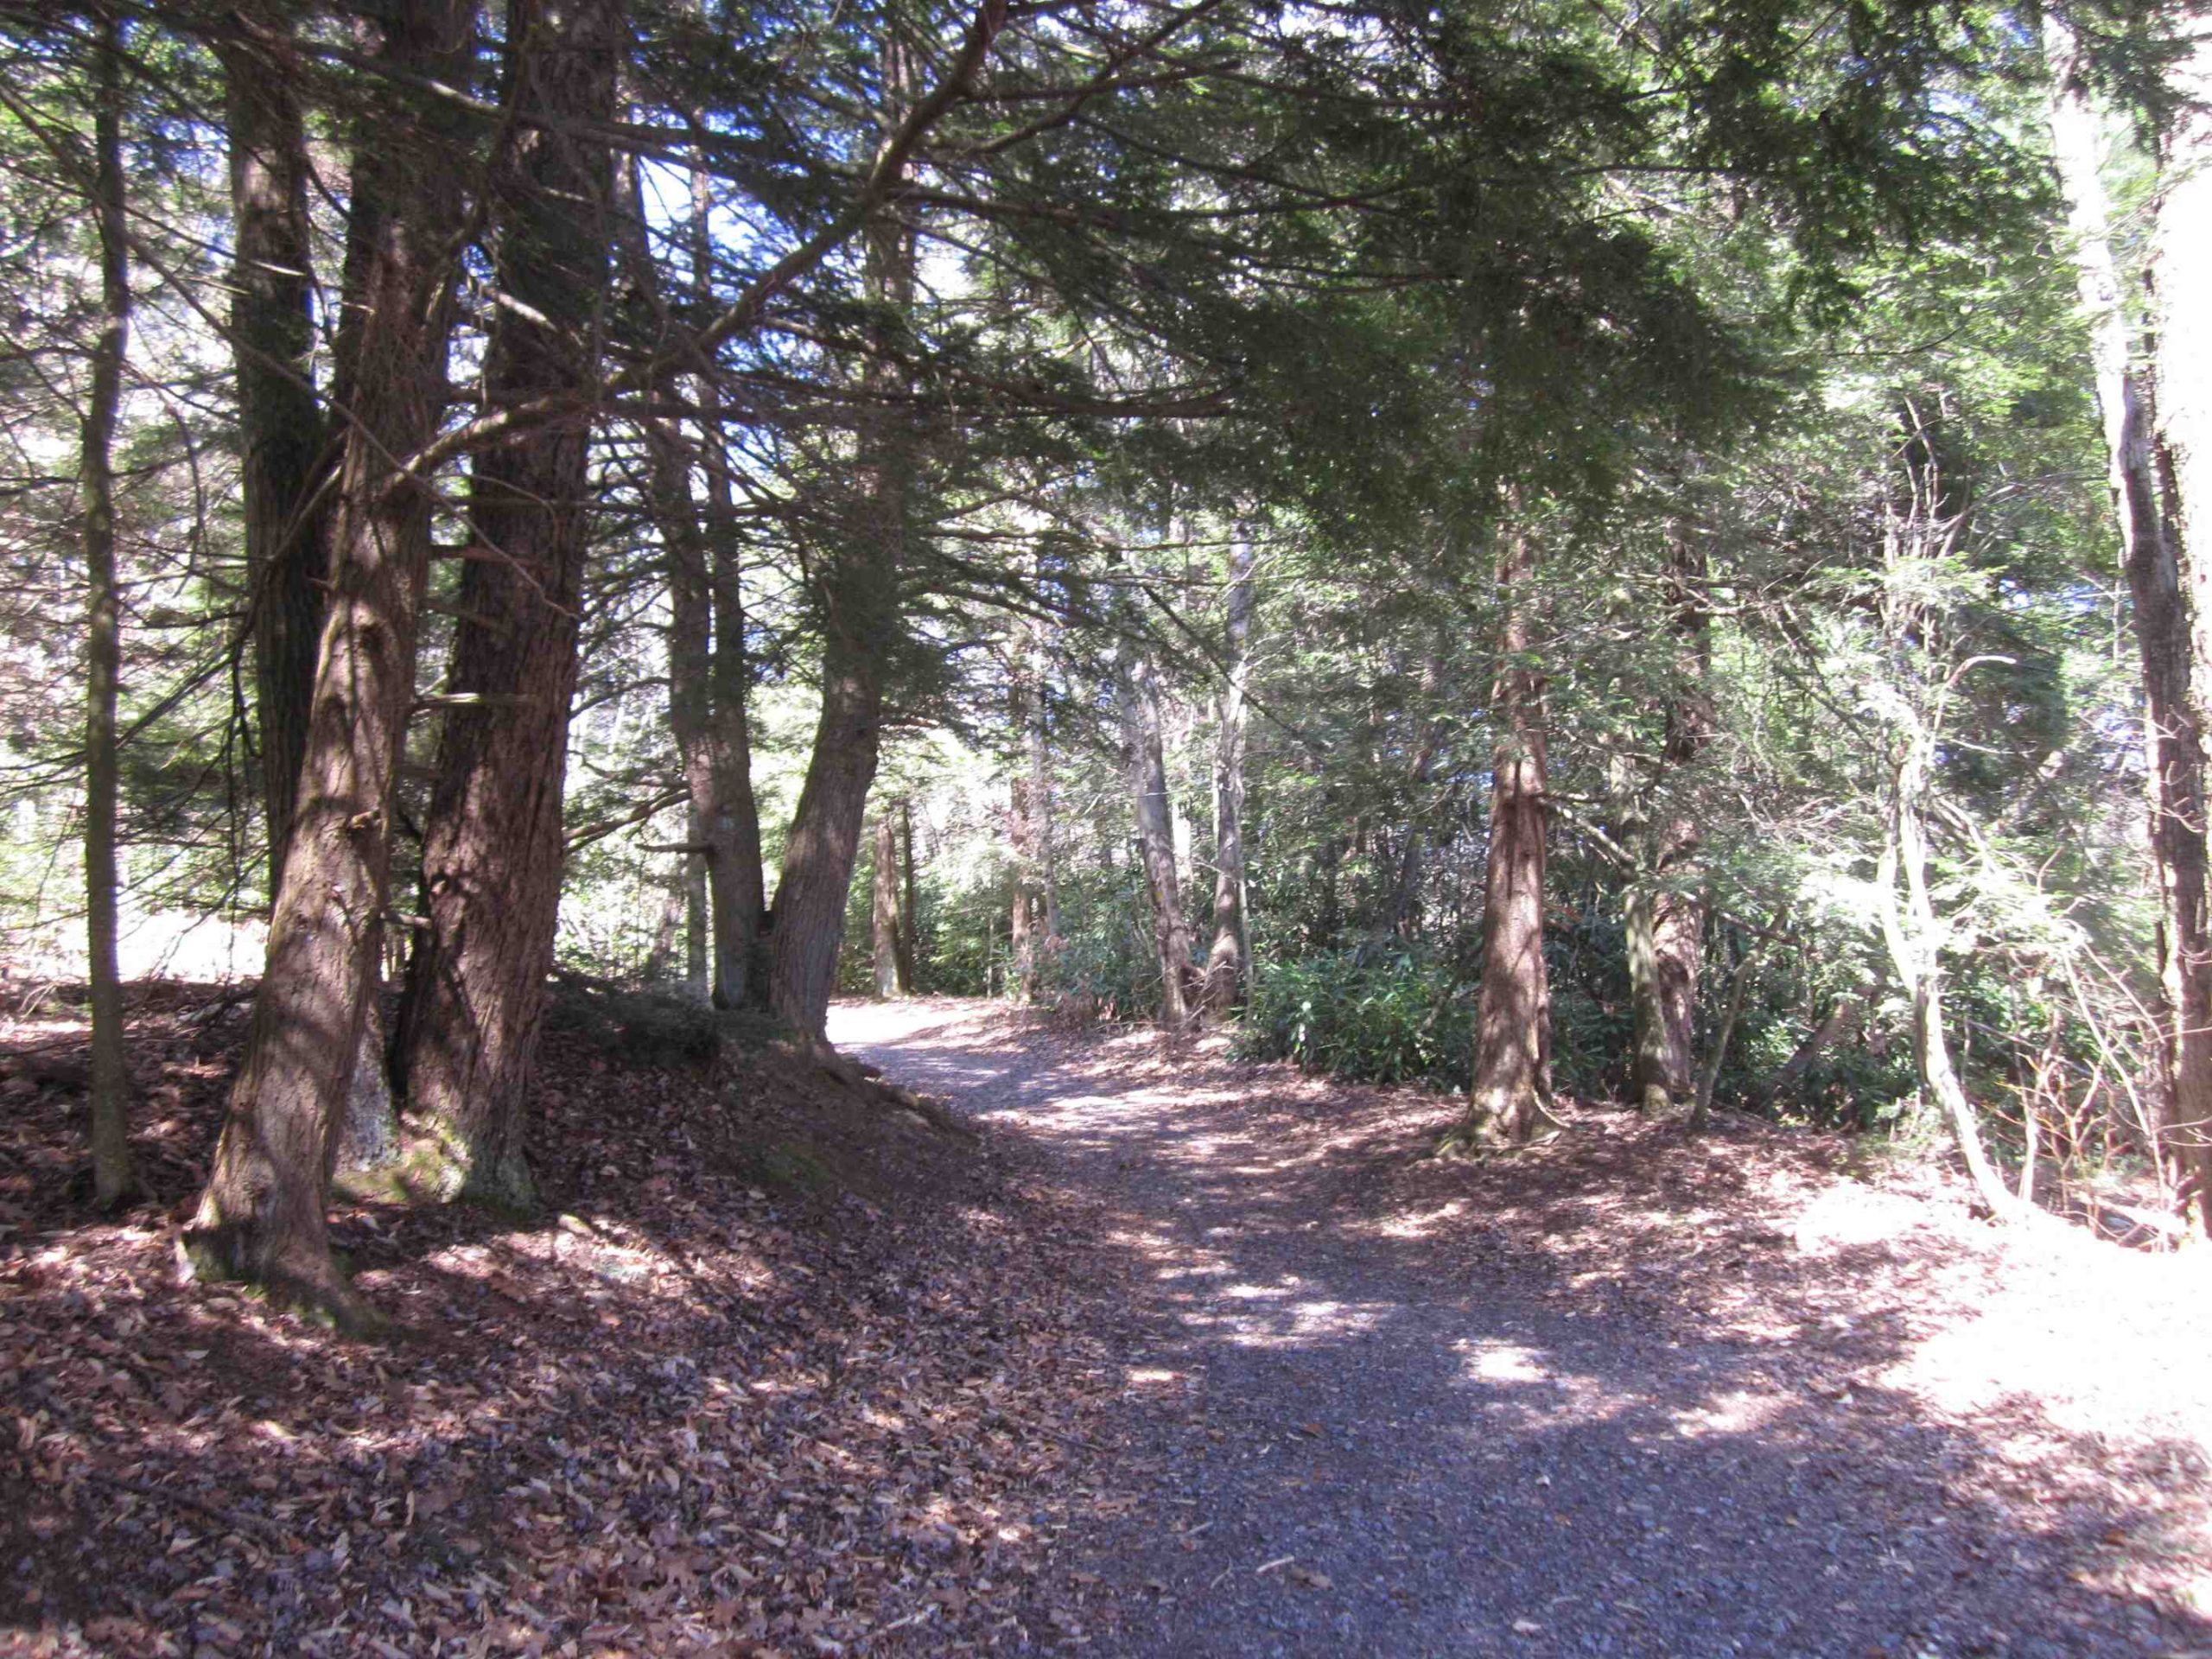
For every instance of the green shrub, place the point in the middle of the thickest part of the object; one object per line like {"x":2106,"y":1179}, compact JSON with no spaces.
{"x":1393,"y":1016}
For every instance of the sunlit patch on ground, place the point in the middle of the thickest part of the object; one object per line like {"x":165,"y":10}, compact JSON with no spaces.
{"x":1718,"y":1392}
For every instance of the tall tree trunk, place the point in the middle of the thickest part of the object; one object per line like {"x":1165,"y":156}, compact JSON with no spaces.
{"x":883,"y":906}
{"x":282,"y":432}
{"x":860,"y":600}
{"x":284,"y":466}
{"x":708,"y":683}
{"x":1026,"y":913}
{"x":709,"y":675}
{"x":1226,"y":962}
{"x":492,"y":849}
{"x":262,"y":1214}
{"x":114,"y":1178}
{"x":910,"y":908}
{"x":1144,"y":770}
{"x":1666,"y":905}
{"x":2173,"y":741}
{"x":698,"y":919}
{"x":728,"y":807}
{"x":1508,"y":1098}
{"x":2181,"y":243}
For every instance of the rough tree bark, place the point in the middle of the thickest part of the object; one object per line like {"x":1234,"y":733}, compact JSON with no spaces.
{"x":2173,"y":741}
{"x":2182,"y":259}
{"x":262,"y":1215}
{"x":282,"y":431}
{"x":1229,"y":960}
{"x":114,"y":1178}
{"x":493,"y":848}
{"x":1144,"y":772}
{"x":1507,"y":1100}
{"x":285,"y":454}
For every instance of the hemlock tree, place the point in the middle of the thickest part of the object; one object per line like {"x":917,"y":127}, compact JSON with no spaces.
{"x":493,"y":845}
{"x":262,"y":1215}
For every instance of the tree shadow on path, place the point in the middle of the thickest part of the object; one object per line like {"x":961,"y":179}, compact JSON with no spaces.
{"x":1633,"y":1393}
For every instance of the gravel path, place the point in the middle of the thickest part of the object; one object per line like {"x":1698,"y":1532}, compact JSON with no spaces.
{"x":1418,"y":1432}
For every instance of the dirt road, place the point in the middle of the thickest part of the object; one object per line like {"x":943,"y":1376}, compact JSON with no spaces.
{"x":1631,"y":1395}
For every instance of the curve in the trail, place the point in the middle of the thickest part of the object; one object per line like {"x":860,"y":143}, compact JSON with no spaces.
{"x":1334,"y":1447}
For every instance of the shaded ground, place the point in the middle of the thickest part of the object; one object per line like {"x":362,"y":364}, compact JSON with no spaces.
{"x":779,"y":1366}
{"x":1183,"y":1357}
{"x":1624,"y":1393}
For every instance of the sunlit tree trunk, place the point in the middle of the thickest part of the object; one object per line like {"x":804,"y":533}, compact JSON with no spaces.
{"x":492,"y":849}
{"x":2173,"y":742}
{"x":1511,"y":1086}
{"x":262,"y":1214}
{"x":1914,"y":936}
{"x":2182,"y":257}
{"x":114,"y":1177}
{"x":1144,"y":772}
{"x":1227,"y":961}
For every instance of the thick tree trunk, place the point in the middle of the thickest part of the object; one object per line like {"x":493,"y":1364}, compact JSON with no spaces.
{"x":262,"y":1215}
{"x":883,"y":907}
{"x":1144,"y":770}
{"x":810,"y":914}
{"x":284,"y":465}
{"x":114,"y":1178}
{"x":1227,"y":961}
{"x":723,"y":768}
{"x":697,"y":920}
{"x":1511,"y":1086}
{"x":492,"y":849}
{"x":1655,"y":1055}
{"x":708,"y":683}
{"x":2183,"y":261}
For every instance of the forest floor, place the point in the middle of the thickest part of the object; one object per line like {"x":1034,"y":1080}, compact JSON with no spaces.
{"x":1629,"y":1392}
{"x":1176,"y":1356}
